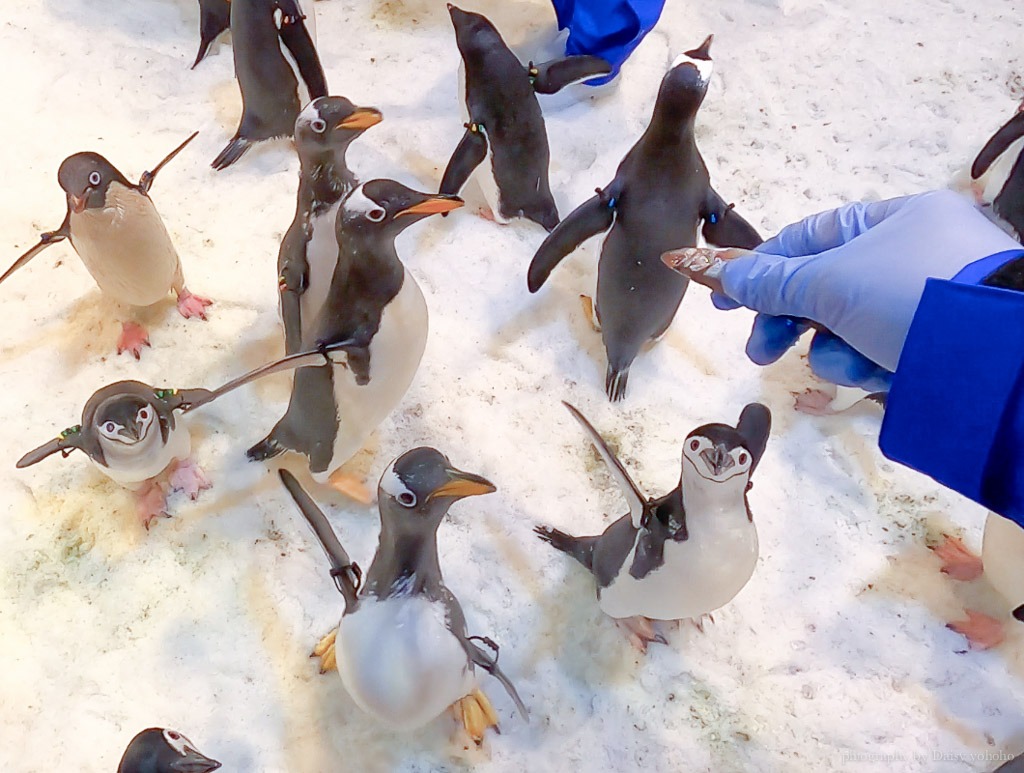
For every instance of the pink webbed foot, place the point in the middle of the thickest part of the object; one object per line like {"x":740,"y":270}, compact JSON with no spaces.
{"x":815,"y":402}
{"x":487,"y":214}
{"x":150,"y":503}
{"x":982,"y":631}
{"x":188,"y":477}
{"x":957,"y":561}
{"x":133,"y":338}
{"x":640,"y":631}
{"x":190,"y":305}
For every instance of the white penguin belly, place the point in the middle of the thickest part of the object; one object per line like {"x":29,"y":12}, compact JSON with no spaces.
{"x":698,"y":576}
{"x":131,"y":466}
{"x":995,"y":177}
{"x":1002,"y":554}
{"x":395,"y":354}
{"x":126,"y":248}
{"x":321,"y":257}
{"x":399,"y":661}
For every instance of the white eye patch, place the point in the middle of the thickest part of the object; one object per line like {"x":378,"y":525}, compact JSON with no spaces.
{"x":110,"y":429}
{"x":359,"y":204}
{"x":392,"y":485}
{"x":178,"y":742}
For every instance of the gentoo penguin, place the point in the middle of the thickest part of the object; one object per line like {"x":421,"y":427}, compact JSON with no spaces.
{"x":402,"y":648}
{"x":214,"y":18}
{"x":684,"y":554}
{"x":121,"y":239}
{"x":270,"y":96}
{"x":999,"y":169}
{"x":129,"y":432}
{"x":661,"y":194}
{"x":309,"y":250}
{"x":159,"y":750}
{"x":505,"y":124}
{"x":375,"y":317}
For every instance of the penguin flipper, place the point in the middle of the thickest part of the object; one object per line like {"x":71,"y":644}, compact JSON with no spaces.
{"x":1008,"y":133}
{"x":296,"y":38}
{"x":146,"y":181}
{"x":754,"y":425}
{"x":580,"y":548}
{"x":233,"y":151}
{"x":634,"y":498}
{"x":68,"y":440}
{"x":292,"y":278}
{"x":347,"y":574}
{"x":724,"y":227}
{"x":45,"y":240}
{"x":551,"y":77}
{"x":470,"y":153}
{"x":591,"y":217}
{"x":214,"y":18}
{"x":489,"y":663}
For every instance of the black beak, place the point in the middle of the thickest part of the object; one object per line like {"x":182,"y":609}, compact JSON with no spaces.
{"x":703,"y":51}
{"x":717,"y":458}
{"x":194,"y":762}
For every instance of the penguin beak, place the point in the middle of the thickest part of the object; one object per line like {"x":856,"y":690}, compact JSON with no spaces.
{"x":194,"y":762}
{"x":78,"y":202}
{"x":717,"y":459}
{"x":463,"y":484}
{"x":362,"y":118}
{"x":703,"y":51}
{"x":436,"y":204}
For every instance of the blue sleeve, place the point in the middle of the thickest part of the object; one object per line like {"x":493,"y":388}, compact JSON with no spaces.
{"x":956,"y":408}
{"x":610,"y":29}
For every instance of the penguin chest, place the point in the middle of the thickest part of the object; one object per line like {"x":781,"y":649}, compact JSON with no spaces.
{"x":133,"y":465}
{"x":994,"y":180}
{"x":395,"y":353}
{"x":1002,"y":554}
{"x":697,"y":576}
{"x":321,"y":259}
{"x":400,"y":662}
{"x":126,"y":248}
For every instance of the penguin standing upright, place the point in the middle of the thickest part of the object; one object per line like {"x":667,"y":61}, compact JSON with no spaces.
{"x":375,"y":319}
{"x":505,"y":125}
{"x":999,"y":169}
{"x":402,"y":648}
{"x":121,"y":238}
{"x":309,"y":250}
{"x":270,"y":96}
{"x":660,"y":196}
{"x":684,"y":554}
{"x":159,"y":750}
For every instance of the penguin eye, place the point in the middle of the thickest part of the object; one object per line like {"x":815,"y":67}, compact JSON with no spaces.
{"x":694,"y":444}
{"x":407,"y":499}
{"x":94,"y":178}
{"x":375,"y":215}
{"x":318,"y":125}
{"x":173,"y":736}
{"x":144,"y":414}
{"x":110,"y":428}
{"x":743,"y":459}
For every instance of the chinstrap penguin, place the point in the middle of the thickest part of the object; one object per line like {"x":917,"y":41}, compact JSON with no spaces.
{"x":401,"y":647}
{"x":309,"y":250}
{"x":659,"y":198}
{"x":999,"y":172}
{"x":121,"y":238}
{"x":505,"y":126}
{"x":687,"y":553}
{"x":161,"y":750}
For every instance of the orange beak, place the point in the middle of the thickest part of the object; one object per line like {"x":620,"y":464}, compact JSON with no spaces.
{"x":435,"y":205}
{"x":464,"y":484}
{"x":362,"y":118}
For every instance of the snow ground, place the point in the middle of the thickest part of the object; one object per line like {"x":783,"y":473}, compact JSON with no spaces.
{"x":833,"y":658}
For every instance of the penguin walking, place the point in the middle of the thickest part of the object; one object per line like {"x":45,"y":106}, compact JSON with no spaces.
{"x":375,"y":318}
{"x":214,"y":18}
{"x":309,"y":250}
{"x":999,"y":172}
{"x":159,"y":750}
{"x":661,"y":194}
{"x":121,"y":238}
{"x":505,"y":124}
{"x":401,"y":647}
{"x":270,"y":96}
{"x":684,"y":554}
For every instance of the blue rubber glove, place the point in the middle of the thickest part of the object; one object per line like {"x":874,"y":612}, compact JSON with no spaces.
{"x":610,"y":29}
{"x":858,"y":271}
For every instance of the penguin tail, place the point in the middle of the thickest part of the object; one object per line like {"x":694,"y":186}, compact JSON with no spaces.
{"x":615,"y":382}
{"x":234,"y":151}
{"x":580,"y":548}
{"x":267,"y":448}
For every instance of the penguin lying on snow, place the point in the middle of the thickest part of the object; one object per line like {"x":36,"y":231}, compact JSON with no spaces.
{"x":375,"y":319}
{"x":684,"y":554}
{"x":401,"y":647}
{"x":270,"y":96}
{"x":506,"y":126}
{"x":999,"y":168}
{"x":159,"y":750}
{"x":309,"y":250}
{"x":121,"y":239}
{"x":660,"y":195}
{"x":214,"y":18}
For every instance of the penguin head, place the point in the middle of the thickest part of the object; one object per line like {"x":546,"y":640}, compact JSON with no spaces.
{"x":718,"y":453}
{"x":160,"y":750}
{"x":85,"y":178}
{"x":388,"y":207}
{"x":474,"y":33}
{"x":685,"y":84}
{"x":420,"y":485}
{"x":329,"y":124}
{"x":125,"y":420}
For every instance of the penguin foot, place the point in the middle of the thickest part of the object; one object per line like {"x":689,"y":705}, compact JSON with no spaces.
{"x":814,"y":402}
{"x":190,"y":305}
{"x":133,"y":338}
{"x":982,"y":631}
{"x":640,"y":631}
{"x":151,"y":502}
{"x":487,"y":214}
{"x":187,"y":476}
{"x":324,"y":650}
{"x":476,"y":714}
{"x":957,"y":561}
{"x":351,"y":486}
{"x":590,"y":312}
{"x":698,"y":622}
